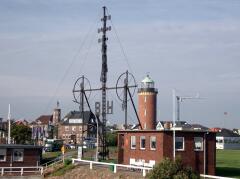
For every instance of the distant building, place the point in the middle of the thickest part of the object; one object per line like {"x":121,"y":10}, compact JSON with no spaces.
{"x":46,"y":126}
{"x":42,"y":129}
{"x":76,"y":125}
{"x":3,"y":131}
{"x":227,"y":139}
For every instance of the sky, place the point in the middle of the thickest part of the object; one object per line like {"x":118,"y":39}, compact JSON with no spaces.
{"x":190,"y":46}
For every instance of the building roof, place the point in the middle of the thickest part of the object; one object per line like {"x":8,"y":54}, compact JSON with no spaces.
{"x":17,"y":146}
{"x":226,"y":133}
{"x":147,"y":79}
{"x":78,"y":116}
{"x":44,"y":119}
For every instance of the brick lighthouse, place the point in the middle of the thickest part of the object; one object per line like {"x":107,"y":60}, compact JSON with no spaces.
{"x":147,"y":104}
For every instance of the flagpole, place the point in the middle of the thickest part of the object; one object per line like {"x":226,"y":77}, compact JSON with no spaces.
{"x":9,"y":124}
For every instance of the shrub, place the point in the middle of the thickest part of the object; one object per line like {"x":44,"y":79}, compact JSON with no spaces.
{"x":169,"y":169}
{"x":67,"y":162}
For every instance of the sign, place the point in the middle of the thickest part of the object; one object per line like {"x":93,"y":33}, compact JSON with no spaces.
{"x":109,"y":107}
{"x":63,"y":149}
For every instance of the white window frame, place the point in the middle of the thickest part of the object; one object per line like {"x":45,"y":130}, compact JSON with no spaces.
{"x":4,"y":153}
{"x":15,"y":159}
{"x":80,"y":128}
{"x":201,"y":144}
{"x":132,"y":140}
{"x":66,"y":128}
{"x":142,"y":137}
{"x":183,"y":141}
{"x":73,"y":128}
{"x":152,"y":138}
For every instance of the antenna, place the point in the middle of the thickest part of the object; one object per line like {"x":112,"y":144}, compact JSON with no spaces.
{"x":183,"y":98}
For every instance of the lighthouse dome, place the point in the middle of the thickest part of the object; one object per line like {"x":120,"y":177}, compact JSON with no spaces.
{"x":147,"y":82}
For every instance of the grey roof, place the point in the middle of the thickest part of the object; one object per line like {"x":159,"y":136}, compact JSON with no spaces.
{"x":18,"y":146}
{"x":226,"y":133}
{"x":77,"y":115}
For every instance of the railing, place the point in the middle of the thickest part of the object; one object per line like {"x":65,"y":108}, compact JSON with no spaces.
{"x":52,"y":162}
{"x":216,"y":177}
{"x":144,"y":169}
{"x":21,"y":170}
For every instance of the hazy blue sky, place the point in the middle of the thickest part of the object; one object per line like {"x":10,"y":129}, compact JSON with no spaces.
{"x":193,"y":46}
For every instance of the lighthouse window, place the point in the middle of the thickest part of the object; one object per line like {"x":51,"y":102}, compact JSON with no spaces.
{"x":153,"y":142}
{"x":142,"y":142}
{"x":145,"y":112}
{"x":145,"y":99}
{"x":133,"y":142}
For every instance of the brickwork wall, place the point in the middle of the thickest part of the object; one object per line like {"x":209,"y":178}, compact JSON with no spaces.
{"x":31,"y":157}
{"x":189,"y":156}
{"x":147,"y":105}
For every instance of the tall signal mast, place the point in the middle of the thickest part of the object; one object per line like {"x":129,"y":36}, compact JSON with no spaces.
{"x":104,"y":71}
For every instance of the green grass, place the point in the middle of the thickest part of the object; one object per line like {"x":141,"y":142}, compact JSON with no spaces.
{"x":228,"y":163}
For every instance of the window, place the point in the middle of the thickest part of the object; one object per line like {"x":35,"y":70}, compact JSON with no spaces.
{"x":198,"y":143}
{"x":66,"y":128}
{"x":2,"y":155}
{"x":145,"y":112}
{"x":133,"y":142}
{"x":179,"y":143}
{"x":153,"y":142}
{"x":80,"y":128}
{"x":142,"y":142}
{"x":73,"y":128}
{"x":18,"y":155}
{"x":145,"y":99}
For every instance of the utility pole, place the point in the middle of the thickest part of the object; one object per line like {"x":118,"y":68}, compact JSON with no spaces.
{"x":103,"y":78}
{"x":9,"y":124}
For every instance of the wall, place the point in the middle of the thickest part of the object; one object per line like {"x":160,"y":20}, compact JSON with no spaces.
{"x":31,"y":156}
{"x":189,"y":156}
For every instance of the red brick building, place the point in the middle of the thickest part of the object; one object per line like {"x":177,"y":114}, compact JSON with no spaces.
{"x":153,"y":145}
{"x":12,"y":155}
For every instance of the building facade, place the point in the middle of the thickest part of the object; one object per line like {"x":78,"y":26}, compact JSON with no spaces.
{"x":151,"y":146}
{"x":12,"y":155}
{"x":76,"y":126}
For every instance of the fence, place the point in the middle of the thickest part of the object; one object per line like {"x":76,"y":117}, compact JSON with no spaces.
{"x":21,"y":170}
{"x":115,"y":166}
{"x":216,"y":177}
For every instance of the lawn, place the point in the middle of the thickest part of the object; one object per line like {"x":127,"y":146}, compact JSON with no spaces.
{"x":228,"y":163}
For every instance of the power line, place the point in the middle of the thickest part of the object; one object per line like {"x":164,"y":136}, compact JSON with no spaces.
{"x":71,"y":64}
{"x":121,"y":46}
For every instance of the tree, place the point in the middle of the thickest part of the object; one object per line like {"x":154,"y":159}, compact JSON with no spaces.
{"x":169,"y":169}
{"x":112,"y":138}
{"x":21,"y":134}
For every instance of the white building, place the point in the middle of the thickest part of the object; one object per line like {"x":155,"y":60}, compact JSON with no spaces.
{"x":227,"y":139}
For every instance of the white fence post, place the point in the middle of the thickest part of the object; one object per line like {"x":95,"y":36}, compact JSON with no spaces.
{"x":42,"y":171}
{"x":144,"y":172}
{"x":2,"y":172}
{"x":91,"y":165}
{"x":115,"y":168}
{"x":21,"y":171}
